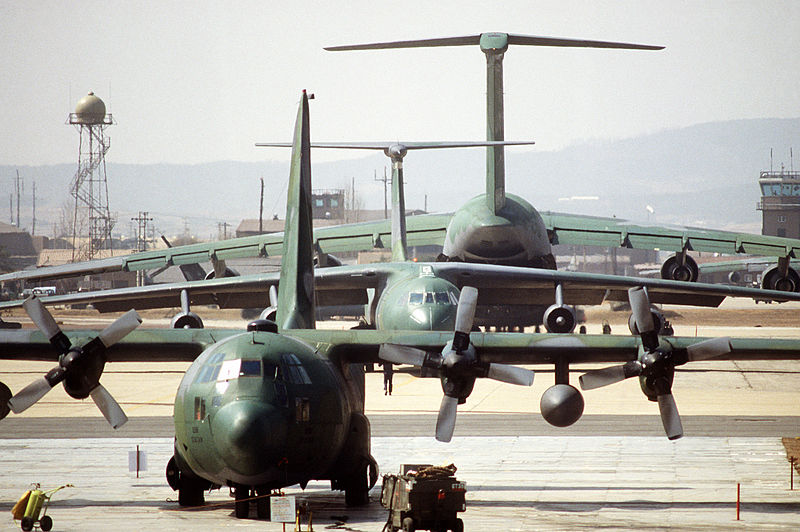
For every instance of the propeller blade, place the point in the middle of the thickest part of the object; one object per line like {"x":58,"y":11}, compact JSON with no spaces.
{"x":108,"y":406}
{"x":640,"y":305}
{"x":670,"y":417}
{"x":598,"y":378}
{"x":446,"y":422}
{"x":510,"y":374}
{"x":465,"y":313}
{"x":41,"y":317}
{"x":400,"y":354}
{"x":273,"y":296}
{"x":120,"y":328}
{"x":29,"y":395}
{"x":706,"y":349}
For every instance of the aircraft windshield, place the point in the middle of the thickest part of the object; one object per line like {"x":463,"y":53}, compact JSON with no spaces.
{"x":430,"y":298}
{"x":292,"y":370}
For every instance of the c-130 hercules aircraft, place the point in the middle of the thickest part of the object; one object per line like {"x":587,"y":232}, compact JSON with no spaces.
{"x":283,"y":403}
{"x":493,"y":228}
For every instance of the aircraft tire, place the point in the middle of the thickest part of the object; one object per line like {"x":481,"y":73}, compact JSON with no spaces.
{"x":408,"y":525}
{"x":5,"y":395}
{"x":190,"y":492}
{"x":242,"y":504}
{"x":356,"y":492}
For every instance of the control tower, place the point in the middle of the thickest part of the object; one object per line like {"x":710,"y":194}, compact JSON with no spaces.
{"x":780,"y":203}
{"x":91,"y":219}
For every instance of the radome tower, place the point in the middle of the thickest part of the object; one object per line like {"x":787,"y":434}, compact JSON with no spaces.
{"x":91,"y":218}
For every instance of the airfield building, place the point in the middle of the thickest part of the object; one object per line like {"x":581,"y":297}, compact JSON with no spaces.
{"x":780,"y":203}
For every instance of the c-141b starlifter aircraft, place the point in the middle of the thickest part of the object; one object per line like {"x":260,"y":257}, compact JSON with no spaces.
{"x":492,"y":228}
{"x":283,"y":403}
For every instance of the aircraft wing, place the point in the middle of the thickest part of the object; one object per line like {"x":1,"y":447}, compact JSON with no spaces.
{"x":427,"y":229}
{"x":507,"y":285}
{"x":160,"y":345}
{"x":347,"y":285}
{"x":142,"y":345}
{"x":613,"y":232}
{"x":525,"y":348}
{"x":341,"y":285}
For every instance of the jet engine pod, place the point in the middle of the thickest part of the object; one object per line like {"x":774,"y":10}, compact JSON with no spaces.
{"x":559,"y":319}
{"x":186,"y":320}
{"x":772,"y":279}
{"x":229,"y":272}
{"x":672,"y":269}
{"x":561,"y":405}
{"x":269,"y":313}
{"x":326,"y":260}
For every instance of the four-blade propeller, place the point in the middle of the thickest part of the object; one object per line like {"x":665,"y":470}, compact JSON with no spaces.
{"x":656,"y":365}
{"x":78,"y":367}
{"x":458,"y":365}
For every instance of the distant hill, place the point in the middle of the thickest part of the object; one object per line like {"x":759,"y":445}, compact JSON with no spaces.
{"x":699,"y":175}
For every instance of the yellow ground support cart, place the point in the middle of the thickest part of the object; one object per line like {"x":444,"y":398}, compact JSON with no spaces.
{"x":31,"y":509}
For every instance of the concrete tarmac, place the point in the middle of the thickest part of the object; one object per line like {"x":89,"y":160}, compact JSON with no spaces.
{"x":613,"y":469}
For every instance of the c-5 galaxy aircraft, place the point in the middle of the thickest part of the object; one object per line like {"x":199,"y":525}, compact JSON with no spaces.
{"x":283,"y":403}
{"x":493,"y":228}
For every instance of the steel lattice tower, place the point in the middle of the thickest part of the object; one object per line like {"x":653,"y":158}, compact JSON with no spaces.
{"x":91,"y":216}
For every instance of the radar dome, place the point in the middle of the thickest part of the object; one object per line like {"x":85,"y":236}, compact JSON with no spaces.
{"x":90,"y":110}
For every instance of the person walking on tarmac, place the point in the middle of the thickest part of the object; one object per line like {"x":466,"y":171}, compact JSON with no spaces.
{"x":388,"y":373}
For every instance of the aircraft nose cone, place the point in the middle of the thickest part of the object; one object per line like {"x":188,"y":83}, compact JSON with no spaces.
{"x":433,"y":318}
{"x":442,"y":318}
{"x":249,"y":436}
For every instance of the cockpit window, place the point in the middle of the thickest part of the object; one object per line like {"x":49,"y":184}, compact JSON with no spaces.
{"x":442,"y":298}
{"x":292,"y":369}
{"x":428,"y":297}
{"x":250,"y":368}
{"x":453,"y":298}
{"x":271,"y":371}
{"x":209,"y":373}
{"x":415,"y":298}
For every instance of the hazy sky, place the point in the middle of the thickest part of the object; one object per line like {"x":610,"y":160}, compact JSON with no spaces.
{"x":191,"y":82}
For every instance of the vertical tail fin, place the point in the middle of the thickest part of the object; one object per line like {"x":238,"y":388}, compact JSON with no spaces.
{"x":399,"y":247}
{"x":296,"y":291}
{"x":494,"y":45}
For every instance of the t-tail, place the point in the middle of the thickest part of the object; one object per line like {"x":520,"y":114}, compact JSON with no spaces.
{"x":494,"y":45}
{"x":397,"y":151}
{"x":296,"y":289}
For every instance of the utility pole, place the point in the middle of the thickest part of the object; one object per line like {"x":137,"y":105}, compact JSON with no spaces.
{"x":18,"y":186}
{"x":261,"y":210}
{"x":33,"y":222}
{"x":141,"y":240}
{"x":385,"y":180}
{"x":222,"y":230}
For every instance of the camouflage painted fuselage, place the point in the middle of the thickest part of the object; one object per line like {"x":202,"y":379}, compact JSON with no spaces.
{"x":514,"y":236}
{"x":261,"y":409}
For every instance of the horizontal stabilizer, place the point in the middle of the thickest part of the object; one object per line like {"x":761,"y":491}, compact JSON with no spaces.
{"x":406,"y":145}
{"x":419,"y":43}
{"x":526,"y":40}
